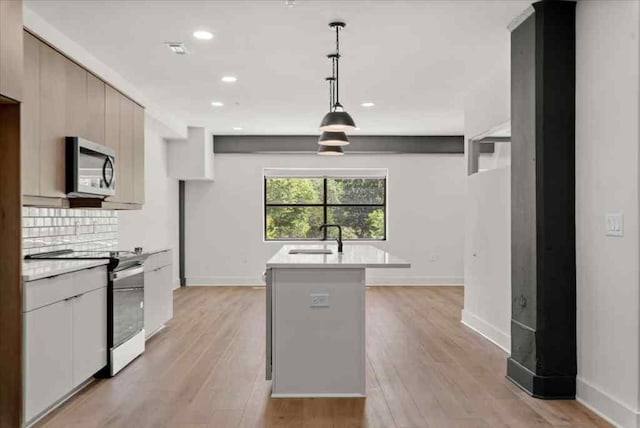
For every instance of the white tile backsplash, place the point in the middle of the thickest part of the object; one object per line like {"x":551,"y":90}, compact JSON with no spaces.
{"x":52,"y":229}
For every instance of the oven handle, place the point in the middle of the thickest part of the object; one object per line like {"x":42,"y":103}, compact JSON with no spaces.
{"x":125,"y":289}
{"x":126,"y":273}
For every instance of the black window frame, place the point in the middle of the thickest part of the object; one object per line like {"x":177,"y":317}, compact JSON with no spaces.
{"x":325,"y":205}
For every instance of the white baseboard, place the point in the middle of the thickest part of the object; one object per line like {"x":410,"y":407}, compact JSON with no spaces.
{"x":606,"y":406}
{"x":249,"y":281}
{"x":500,"y":338}
{"x":414,"y":280}
{"x":391,"y":281}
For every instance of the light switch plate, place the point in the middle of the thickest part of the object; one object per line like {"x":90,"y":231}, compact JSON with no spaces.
{"x":319,"y":300}
{"x":614,"y":224}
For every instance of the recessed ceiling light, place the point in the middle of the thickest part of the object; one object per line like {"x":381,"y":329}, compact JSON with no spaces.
{"x":229,"y":79}
{"x":202,"y":35}
{"x":237,"y":128}
{"x":367,"y":104}
{"x":217,"y":103}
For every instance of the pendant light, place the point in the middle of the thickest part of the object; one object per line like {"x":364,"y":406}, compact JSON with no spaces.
{"x":331,"y":138}
{"x":337,"y":120}
{"x":330,"y":150}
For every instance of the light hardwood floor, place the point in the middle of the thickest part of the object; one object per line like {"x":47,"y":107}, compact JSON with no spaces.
{"x":424,"y":369}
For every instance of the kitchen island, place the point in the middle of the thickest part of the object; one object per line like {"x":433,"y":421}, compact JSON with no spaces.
{"x":316,"y":319}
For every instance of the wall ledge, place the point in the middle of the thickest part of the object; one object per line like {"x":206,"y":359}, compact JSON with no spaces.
{"x":605,"y":405}
{"x":487,"y":330}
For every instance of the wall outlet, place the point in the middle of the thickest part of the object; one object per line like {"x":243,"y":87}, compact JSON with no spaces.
{"x":614,"y":224}
{"x":319,"y":300}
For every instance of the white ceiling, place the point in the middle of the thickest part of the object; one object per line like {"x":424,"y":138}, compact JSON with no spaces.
{"x":413,"y":59}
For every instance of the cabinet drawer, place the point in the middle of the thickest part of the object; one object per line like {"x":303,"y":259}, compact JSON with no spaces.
{"x":89,"y":279}
{"x":50,"y":290}
{"x":46,"y":291}
{"x":157,"y":260}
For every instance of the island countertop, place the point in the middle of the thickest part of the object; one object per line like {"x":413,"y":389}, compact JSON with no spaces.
{"x":354,"y":256}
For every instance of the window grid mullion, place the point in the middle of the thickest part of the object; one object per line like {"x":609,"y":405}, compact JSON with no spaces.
{"x":324,"y":208}
{"x":321,"y":205}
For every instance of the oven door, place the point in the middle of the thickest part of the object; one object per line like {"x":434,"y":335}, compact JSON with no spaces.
{"x":128,"y":304}
{"x":90,"y":169}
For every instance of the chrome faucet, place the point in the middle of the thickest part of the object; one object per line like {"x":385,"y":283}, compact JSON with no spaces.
{"x":324,"y":226}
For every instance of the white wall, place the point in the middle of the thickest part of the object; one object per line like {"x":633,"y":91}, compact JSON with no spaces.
{"x":487,"y":251}
{"x":155,"y":226}
{"x":224,"y":230}
{"x":607,"y":144}
{"x":487,"y":293}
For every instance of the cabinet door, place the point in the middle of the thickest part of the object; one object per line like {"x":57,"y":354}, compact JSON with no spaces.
{"x":30,"y":120}
{"x":52,"y":121}
{"x":11,"y":49}
{"x":152,"y":301}
{"x":125,"y":159}
{"x":166,"y":274}
{"x":89,"y":334}
{"x":95,"y":109}
{"x":76,"y":100}
{"x":112,"y":131}
{"x":138,"y":154}
{"x":48,"y":338}
{"x":158,"y":299}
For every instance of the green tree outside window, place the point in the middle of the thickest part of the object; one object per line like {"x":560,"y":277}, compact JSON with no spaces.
{"x":296,"y":207}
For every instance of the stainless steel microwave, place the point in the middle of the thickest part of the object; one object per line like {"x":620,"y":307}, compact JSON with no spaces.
{"x":90,"y":169}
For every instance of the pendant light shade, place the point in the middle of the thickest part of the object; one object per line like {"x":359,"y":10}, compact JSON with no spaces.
{"x":337,"y":121}
{"x":330,"y":150}
{"x":329,"y":138}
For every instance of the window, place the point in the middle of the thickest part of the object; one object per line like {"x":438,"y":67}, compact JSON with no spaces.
{"x":295,"y":207}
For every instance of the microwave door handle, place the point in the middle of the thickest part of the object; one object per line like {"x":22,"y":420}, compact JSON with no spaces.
{"x":107,"y":161}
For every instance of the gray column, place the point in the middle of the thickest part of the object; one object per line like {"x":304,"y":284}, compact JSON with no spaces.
{"x":543,"y":325}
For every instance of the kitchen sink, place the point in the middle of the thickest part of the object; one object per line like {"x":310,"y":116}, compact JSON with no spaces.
{"x":310,"y":251}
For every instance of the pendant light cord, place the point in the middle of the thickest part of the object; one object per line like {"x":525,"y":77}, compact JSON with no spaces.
{"x":330,"y":79}
{"x":333,"y":84}
{"x":337,"y":64}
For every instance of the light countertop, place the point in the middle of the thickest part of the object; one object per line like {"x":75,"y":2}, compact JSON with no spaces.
{"x":39,"y":269}
{"x":155,"y":250}
{"x":354,"y":256}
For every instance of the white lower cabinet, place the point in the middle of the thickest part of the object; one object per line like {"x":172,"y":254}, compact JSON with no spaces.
{"x":65,"y":336}
{"x":158,"y":292}
{"x":89,"y":334}
{"x":49,"y":356}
